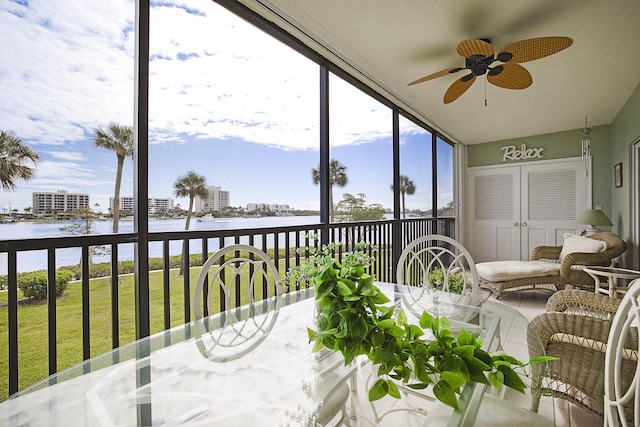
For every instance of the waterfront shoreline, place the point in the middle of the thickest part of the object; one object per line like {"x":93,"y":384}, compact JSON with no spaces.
{"x":34,"y":260}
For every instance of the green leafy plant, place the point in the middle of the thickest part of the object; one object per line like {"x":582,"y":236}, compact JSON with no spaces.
{"x":456,"y":281}
{"x":356,"y":318}
{"x":34,"y":285}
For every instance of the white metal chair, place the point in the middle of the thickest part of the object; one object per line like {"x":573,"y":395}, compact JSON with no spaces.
{"x":434,"y":272}
{"x":245,"y":283}
{"x":622,"y":397}
{"x":443,"y":269}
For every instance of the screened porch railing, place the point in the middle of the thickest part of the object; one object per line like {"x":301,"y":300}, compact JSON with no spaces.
{"x":287,"y":245}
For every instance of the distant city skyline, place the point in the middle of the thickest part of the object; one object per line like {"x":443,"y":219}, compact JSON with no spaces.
{"x":253,"y":130}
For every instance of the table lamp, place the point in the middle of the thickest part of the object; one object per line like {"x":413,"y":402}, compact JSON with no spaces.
{"x":593,"y":217}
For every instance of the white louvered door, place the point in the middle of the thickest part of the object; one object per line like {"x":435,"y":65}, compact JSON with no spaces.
{"x":494,"y":212}
{"x":516,"y":208}
{"x":552,"y":197}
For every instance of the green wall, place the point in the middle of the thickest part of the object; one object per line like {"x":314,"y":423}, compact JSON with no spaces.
{"x":558,"y":145}
{"x":610,"y":144}
{"x":625,"y":132}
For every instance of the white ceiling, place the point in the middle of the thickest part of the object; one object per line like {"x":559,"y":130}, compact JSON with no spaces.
{"x":393,"y":42}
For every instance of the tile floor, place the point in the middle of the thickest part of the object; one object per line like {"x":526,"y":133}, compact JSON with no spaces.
{"x":531,"y":304}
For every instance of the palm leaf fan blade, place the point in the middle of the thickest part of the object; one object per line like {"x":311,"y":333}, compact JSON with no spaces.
{"x":513,"y":76}
{"x":468,"y":48}
{"x":536,"y":48}
{"x":457,"y":88}
{"x":435,"y":75}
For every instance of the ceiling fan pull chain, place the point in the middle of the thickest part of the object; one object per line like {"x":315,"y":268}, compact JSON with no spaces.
{"x":485,"y":92}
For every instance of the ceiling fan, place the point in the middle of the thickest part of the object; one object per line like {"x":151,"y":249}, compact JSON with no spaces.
{"x":504,"y":69}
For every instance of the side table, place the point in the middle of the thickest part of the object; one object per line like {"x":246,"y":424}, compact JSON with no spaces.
{"x":612,"y":274}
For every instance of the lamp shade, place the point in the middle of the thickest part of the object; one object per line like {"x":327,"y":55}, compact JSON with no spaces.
{"x":593,"y":217}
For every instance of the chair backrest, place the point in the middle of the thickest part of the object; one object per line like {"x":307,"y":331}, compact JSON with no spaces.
{"x":622,"y":394}
{"x":244,"y":282}
{"x":437,"y":263}
{"x":615,"y":245}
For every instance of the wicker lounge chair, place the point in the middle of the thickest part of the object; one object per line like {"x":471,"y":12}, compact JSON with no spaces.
{"x":551,"y":274}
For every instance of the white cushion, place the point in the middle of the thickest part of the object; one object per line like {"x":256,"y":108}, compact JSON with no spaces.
{"x":574,"y":243}
{"x":500,"y":271}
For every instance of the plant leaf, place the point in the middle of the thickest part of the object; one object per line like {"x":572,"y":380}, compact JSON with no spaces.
{"x":393,"y":389}
{"x":477,"y":364}
{"x":414,"y":331}
{"x":496,"y":379}
{"x":389,"y":325}
{"x":418,"y":386}
{"x":512,"y":379}
{"x":317,"y":346}
{"x":483,"y":356}
{"x":324,"y":289}
{"x":359,"y":327}
{"x":445,"y":394}
{"x":380,"y":298}
{"x":378,"y":391}
{"x":465,"y":351}
{"x":466,"y":338}
{"x":377,"y":338}
{"x":343,"y":289}
{"x":452,"y":378}
{"x":426,"y":320}
{"x":402,"y":318}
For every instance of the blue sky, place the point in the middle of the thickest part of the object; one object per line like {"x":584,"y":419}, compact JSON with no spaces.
{"x":226,"y":101}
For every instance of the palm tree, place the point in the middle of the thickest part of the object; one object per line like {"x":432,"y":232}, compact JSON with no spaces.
{"x":406,"y":187}
{"x":119,"y":139}
{"x":191,"y":185}
{"x":15,"y":158}
{"x":337,"y":176}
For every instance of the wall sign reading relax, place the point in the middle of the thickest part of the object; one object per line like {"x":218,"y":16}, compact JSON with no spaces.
{"x":524,"y":153}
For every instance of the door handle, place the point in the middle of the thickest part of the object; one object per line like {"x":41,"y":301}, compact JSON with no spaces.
{"x":515,"y":224}
{"x":524,"y":224}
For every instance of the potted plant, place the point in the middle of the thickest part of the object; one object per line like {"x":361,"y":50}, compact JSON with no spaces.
{"x":355,"y":318}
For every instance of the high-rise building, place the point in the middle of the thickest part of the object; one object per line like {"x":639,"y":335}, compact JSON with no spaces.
{"x":58,"y":203}
{"x":217,"y":200}
{"x":263,"y":207}
{"x":160,"y":205}
{"x":155,"y":205}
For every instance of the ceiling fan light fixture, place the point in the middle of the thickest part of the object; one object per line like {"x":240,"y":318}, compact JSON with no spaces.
{"x":496,"y":70}
{"x":504,"y":56}
{"x":467,"y":77}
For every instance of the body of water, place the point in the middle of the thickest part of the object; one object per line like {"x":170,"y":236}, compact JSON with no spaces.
{"x":37,"y":260}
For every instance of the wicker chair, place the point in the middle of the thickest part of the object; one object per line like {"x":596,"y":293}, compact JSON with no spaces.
{"x":621,"y":397}
{"x":570,"y":273}
{"x":575,"y":328}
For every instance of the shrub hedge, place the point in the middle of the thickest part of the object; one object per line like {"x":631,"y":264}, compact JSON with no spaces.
{"x":34,"y":284}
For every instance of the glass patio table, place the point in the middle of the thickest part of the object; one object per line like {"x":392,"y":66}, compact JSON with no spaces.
{"x":177,"y":377}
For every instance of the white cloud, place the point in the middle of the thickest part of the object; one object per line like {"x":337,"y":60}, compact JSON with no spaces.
{"x":62,"y":172}
{"x":66,"y":155}
{"x":69,"y":69}
{"x":63,"y":71}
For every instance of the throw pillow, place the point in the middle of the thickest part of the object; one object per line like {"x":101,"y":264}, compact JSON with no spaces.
{"x":575,"y":243}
